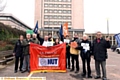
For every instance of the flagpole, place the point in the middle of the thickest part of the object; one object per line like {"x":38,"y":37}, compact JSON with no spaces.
{"x":41,"y":17}
{"x":48,"y":24}
{"x":107,"y":26}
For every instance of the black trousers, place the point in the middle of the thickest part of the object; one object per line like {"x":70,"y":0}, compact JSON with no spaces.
{"x":67,"y":60}
{"x":84,"y":60}
{"x":17,"y":59}
{"x":75,"y":58}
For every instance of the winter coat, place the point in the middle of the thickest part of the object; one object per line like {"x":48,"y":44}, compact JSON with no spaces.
{"x":100,"y":49}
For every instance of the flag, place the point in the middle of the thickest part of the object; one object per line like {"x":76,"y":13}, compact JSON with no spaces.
{"x":61,"y":30}
{"x":65,"y":29}
{"x":117,"y":37}
{"x":36,"y":28}
{"x":29,"y":31}
{"x":61,"y":33}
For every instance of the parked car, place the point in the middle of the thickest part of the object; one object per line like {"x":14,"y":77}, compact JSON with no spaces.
{"x":118,"y":50}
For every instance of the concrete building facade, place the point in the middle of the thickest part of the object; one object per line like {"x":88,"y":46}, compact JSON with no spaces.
{"x":50,"y":14}
{"x":9,"y":19}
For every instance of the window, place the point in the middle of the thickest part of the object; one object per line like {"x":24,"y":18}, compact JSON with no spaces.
{"x":50,"y":22}
{"x":51,"y":11}
{"x":69,"y":5}
{"x":59,"y":0}
{"x":55,"y":23}
{"x":45,"y":5}
{"x":46,"y":17}
{"x":64,"y":5}
{"x":69,"y":0}
{"x":50,"y":5}
{"x":64,"y":0}
{"x":69,"y":17}
{"x":60,"y":17}
{"x":55,"y":17}
{"x":50,"y":17}
{"x":69,"y":11}
{"x":64,"y":11}
{"x":45,"y":11}
{"x":45,"y":22}
{"x":60,"y":11}
{"x":59,"y":22}
{"x":55,"y":5}
{"x":55,"y":0}
{"x":69,"y":23}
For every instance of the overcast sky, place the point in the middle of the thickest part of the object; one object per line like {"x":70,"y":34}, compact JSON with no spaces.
{"x":96,"y":13}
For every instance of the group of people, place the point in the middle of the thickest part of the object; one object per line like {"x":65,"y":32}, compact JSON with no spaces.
{"x":85,"y":48}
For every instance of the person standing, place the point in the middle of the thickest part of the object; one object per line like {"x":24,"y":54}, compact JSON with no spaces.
{"x":100,"y":46}
{"x":67,"y":41}
{"x":34,"y":39}
{"x":57,"y":41}
{"x":49,"y":37}
{"x":86,"y":51}
{"x":26,"y":61}
{"x":18,"y":53}
{"x":44,"y":40}
{"x":74,"y":53}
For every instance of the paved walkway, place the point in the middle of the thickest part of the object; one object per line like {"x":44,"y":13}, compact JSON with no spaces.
{"x":113,"y":71}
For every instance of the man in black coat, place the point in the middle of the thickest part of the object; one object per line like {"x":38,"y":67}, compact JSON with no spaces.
{"x":100,"y":46}
{"x":18,"y":52}
{"x":85,"y":53}
{"x":42,"y":40}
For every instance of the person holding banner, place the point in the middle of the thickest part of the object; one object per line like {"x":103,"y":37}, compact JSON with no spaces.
{"x":86,"y":52}
{"x":74,"y":52}
{"x":45,"y":41}
{"x":49,"y":37}
{"x":57,"y":41}
{"x":18,"y":53}
{"x":100,"y":46}
{"x":34,"y":39}
{"x":26,"y":54}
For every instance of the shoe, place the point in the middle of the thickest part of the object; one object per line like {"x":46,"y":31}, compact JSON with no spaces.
{"x":45,"y":71}
{"x":104,"y":78}
{"x":68,"y":68}
{"x":20,"y":70}
{"x":97,"y":77}
{"x":71,"y":70}
{"x":28,"y":71}
{"x":15,"y":71}
{"x":23,"y":71}
{"x":76,"y":71}
{"x":83,"y":75}
{"x":89,"y":76}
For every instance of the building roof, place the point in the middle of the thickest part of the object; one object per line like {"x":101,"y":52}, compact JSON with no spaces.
{"x":14,"y":18}
{"x":81,"y":30}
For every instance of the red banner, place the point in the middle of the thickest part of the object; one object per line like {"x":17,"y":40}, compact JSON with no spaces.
{"x":49,"y":59}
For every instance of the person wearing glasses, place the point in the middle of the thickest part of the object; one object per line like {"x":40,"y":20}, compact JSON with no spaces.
{"x":100,"y":47}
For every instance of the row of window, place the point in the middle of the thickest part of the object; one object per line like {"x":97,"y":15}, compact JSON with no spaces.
{"x":56,"y":17}
{"x":57,"y":0}
{"x":57,"y":11}
{"x":57,"y":5}
{"x":56,"y":22}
